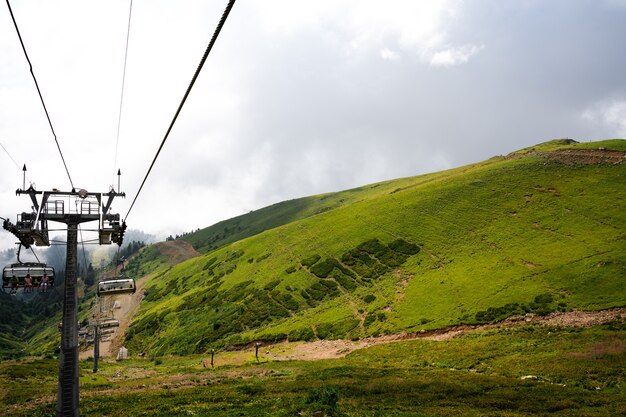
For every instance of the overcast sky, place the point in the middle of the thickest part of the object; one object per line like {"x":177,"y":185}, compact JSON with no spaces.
{"x":297,"y":98}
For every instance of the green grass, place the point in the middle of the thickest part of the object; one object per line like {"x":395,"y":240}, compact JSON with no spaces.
{"x":489,"y":238}
{"x":517,"y":371}
{"x":556,"y":144}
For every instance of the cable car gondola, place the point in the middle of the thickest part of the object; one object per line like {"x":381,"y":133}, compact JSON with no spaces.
{"x":118,"y":285}
{"x":28,"y":275}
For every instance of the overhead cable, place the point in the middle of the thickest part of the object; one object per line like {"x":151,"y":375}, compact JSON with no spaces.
{"x":39,"y":91}
{"x":9,"y":155}
{"x":36,"y":257}
{"x":193,"y":80}
{"x":119,"y":118}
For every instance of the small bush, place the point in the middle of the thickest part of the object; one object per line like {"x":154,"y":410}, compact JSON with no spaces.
{"x":544,"y":299}
{"x":305,"y":334}
{"x":322,"y":269}
{"x":271,"y":285}
{"x":369,"y":298}
{"x":405,"y":247}
{"x":263,"y":257}
{"x":325,"y":396}
{"x":209,"y":263}
{"x":310,"y":261}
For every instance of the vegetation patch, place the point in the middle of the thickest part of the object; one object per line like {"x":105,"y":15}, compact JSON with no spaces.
{"x":310,"y":261}
{"x":542,"y":305}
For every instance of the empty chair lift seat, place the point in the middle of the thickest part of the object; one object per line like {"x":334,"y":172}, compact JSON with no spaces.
{"x":121,"y":285}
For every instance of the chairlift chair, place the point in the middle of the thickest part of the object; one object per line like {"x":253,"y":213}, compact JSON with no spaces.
{"x":104,"y":324}
{"x":118,"y":285}
{"x":14,"y":275}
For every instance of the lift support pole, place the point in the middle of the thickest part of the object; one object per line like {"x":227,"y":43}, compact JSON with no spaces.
{"x":67,"y":404}
{"x":33,"y":229}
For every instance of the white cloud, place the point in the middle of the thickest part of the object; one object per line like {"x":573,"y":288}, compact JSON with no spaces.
{"x":389,"y":55}
{"x":454,"y":55}
{"x":418,"y":28}
{"x":610,"y":115}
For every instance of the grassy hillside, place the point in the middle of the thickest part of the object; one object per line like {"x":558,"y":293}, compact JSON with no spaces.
{"x":278,"y":214}
{"x":526,"y":233}
{"x":267,"y":218}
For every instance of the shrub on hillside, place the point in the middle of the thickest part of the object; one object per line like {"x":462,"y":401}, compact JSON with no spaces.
{"x":322,"y":402}
{"x":322,"y":269}
{"x":344,"y":280}
{"x":369,"y":298}
{"x":373,"y":247}
{"x":544,"y":299}
{"x":405,"y":247}
{"x":209,"y":263}
{"x":310,"y":261}
{"x":263,"y":257}
{"x":303,"y":334}
{"x":271,"y":285}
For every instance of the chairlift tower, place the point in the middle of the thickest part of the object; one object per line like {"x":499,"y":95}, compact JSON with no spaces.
{"x":32,"y":228}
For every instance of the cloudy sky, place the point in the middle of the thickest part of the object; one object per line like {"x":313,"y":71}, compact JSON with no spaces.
{"x":296,"y":98}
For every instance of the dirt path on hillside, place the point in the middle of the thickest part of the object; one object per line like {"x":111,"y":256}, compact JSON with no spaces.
{"x":578,"y":156}
{"x":329,"y":349}
{"x":176,"y":251}
{"x":586,"y":156}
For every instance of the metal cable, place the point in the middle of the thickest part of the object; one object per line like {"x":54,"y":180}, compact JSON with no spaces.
{"x":39,"y":91}
{"x":16,"y":164}
{"x":36,"y":257}
{"x":193,"y":80}
{"x":119,"y":118}
{"x":9,"y":155}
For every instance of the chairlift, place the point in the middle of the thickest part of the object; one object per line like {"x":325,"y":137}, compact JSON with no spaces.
{"x":106,"y":323}
{"x":118,"y":285}
{"x":28,"y":275}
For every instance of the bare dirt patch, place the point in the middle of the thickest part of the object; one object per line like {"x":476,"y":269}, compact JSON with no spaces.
{"x":176,"y":251}
{"x":331,"y":349}
{"x":312,"y":351}
{"x":586,"y":156}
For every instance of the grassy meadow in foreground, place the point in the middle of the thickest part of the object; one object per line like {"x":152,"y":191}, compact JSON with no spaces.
{"x":521,"y":370}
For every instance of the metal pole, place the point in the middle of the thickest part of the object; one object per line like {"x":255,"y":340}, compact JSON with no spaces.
{"x":96,"y":347}
{"x":67,"y":402}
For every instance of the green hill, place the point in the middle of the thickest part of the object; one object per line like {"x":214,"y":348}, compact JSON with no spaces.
{"x":536,"y":231}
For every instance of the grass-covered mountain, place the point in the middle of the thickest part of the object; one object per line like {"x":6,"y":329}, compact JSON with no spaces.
{"x":539,"y":230}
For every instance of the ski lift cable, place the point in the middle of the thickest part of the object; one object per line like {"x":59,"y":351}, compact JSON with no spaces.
{"x":229,"y":6}
{"x":36,"y":257}
{"x":9,"y":155}
{"x":119,"y":119}
{"x":16,"y":164}
{"x":39,"y":92}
